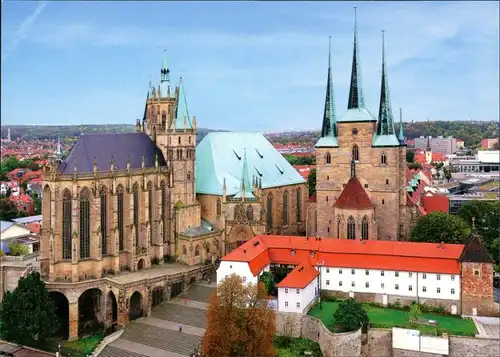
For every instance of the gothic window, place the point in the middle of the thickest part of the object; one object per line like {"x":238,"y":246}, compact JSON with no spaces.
{"x":197,"y":251}
{"x":66,"y":224}
{"x":364,"y":228}
{"x":250,"y":213}
{"x":184,"y":250}
{"x":338,"y":226}
{"x":328,"y":158}
{"x":383,"y":159}
{"x":270,"y":211}
{"x":355,"y":153}
{"x":351,"y":228}
{"x":180,"y":154}
{"x":104,"y":219}
{"x":84,"y":224}
{"x":299,"y":204}
{"x":119,"y":213}
{"x":179,"y":140}
{"x":218,"y":207}
{"x":150,"y":208}
{"x":163,"y":119}
{"x":285,"y":208}
{"x":136,"y":212}
{"x":189,"y":175}
{"x":207,"y":249}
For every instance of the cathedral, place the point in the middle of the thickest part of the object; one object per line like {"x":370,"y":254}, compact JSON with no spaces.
{"x":361,"y":187}
{"x":124,"y":202}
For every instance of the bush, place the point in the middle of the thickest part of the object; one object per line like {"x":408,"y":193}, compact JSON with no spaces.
{"x":350,"y":316}
{"x":17,"y":249}
{"x":155,"y":261}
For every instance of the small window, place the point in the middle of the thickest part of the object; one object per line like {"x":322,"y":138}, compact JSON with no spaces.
{"x":424,"y":289}
{"x":424,"y":276}
{"x":386,"y":181}
{"x":327,"y":270}
{"x":230,"y":267}
{"x":366,"y":185}
{"x":297,"y":291}
{"x":410,"y":275}
{"x":382,"y":285}
{"x":452,"y":291}
{"x":328,"y":282}
{"x":328,"y":229}
{"x":367,"y":272}
{"x":367,"y":285}
{"x":438,"y":276}
{"x":326,"y":198}
{"x":340,"y":283}
{"x":396,"y":286}
{"x":312,"y":254}
{"x":453,"y":277}
{"x":286,"y":303}
{"x":286,"y":290}
{"x":328,"y":158}
{"x":382,"y":273}
{"x":383,"y":201}
{"x":396,"y":274}
{"x":327,"y":177}
{"x":292,"y":252}
{"x":179,"y":140}
{"x":353,"y":272}
{"x":298,"y":304}
{"x":244,"y":280}
{"x":353,"y":284}
{"x":438,"y":290}
{"x":410,"y":288}
{"x":383,"y":159}
{"x":340,"y":271}
{"x":476,"y":272}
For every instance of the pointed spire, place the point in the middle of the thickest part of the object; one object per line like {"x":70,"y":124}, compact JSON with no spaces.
{"x":355,"y":92}
{"x":165,"y":71}
{"x":401,"y":136}
{"x":59,"y":149}
{"x":428,"y":148}
{"x":182,"y":119}
{"x":146,"y":104}
{"x":385,"y":123}
{"x":329,"y":124}
{"x":245,"y":176}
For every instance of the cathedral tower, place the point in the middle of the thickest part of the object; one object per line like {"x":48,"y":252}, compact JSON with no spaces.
{"x":375,"y":204}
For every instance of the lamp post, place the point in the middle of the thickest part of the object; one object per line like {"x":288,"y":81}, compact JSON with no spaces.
{"x":319,"y":265}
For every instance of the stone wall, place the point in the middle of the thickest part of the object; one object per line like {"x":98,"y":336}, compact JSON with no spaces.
{"x":471,"y":347}
{"x":396,"y":352}
{"x":378,"y":343}
{"x":331,"y":344}
{"x":9,"y":277}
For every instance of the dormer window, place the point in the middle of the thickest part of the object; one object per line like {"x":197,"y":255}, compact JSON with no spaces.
{"x":292,"y":252}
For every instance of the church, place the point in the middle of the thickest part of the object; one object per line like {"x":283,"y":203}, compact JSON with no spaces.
{"x":361,"y":186}
{"x":124,"y":202}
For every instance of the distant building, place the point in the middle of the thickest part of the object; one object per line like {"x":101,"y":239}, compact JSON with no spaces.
{"x":304,"y":170}
{"x":489,"y":143}
{"x":457,"y":201}
{"x":460,"y":144}
{"x":440,"y":144}
{"x":483,"y":161}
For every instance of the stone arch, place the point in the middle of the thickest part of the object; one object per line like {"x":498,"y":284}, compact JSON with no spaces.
{"x":141,"y":264}
{"x":111,"y":309}
{"x":91,"y":312}
{"x":135,"y":306}
{"x":197,"y":251}
{"x":61,"y":305}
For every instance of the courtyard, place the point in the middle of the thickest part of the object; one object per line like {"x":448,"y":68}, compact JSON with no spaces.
{"x":382,"y":317}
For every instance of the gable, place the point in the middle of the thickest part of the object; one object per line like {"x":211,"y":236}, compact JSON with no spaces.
{"x":219,"y":156}
{"x":13,"y":231}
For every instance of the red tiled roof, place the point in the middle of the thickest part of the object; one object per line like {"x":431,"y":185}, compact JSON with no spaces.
{"x":303,"y":170}
{"x":300,"y":276}
{"x":390,"y":255}
{"x":34,"y":227}
{"x":353,"y":196}
{"x":436,"y":203}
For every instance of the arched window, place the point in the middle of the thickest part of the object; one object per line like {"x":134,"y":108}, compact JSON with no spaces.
{"x":163,"y":119}
{"x":180,"y":154}
{"x":66,"y":224}
{"x":189,"y":175}
{"x":250,"y":213}
{"x":338,"y":226}
{"x":179,"y":140}
{"x":364,"y":228}
{"x":189,"y":140}
{"x":299,"y":204}
{"x":328,"y":158}
{"x":84,"y":224}
{"x":150,"y":208}
{"x":119,"y":213}
{"x":219,"y":207}
{"x":207,"y":248}
{"x":103,"y":193}
{"x":184,"y":250}
{"x":355,"y":153}
{"x":270,"y":211}
{"x":351,"y":228}
{"x":197,"y":251}
{"x":135,"y":193}
{"x":285,"y":208}
{"x":383,"y":159}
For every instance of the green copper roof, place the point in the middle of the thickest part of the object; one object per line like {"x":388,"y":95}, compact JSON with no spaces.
{"x":328,"y":128}
{"x":327,"y":142}
{"x":356,"y":115}
{"x":220,"y":156}
{"x":182,"y":119}
{"x":385,"y":140}
{"x":356,"y":99}
{"x":409,"y":188}
{"x":163,"y":91}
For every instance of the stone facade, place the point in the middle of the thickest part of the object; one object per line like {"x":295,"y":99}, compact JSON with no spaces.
{"x":472,"y":347}
{"x":385,"y":184}
{"x":477,"y":289}
{"x":377,"y":343}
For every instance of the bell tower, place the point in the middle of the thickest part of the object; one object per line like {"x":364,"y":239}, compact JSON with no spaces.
{"x":167,"y":122}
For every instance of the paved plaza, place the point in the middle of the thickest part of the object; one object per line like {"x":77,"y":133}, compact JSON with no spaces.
{"x":158,"y":335}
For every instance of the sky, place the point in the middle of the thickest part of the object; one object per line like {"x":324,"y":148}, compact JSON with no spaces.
{"x":246,"y":65}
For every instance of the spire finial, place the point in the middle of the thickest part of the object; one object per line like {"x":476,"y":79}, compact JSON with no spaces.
{"x":385,"y":123}
{"x":356,"y":100}
{"x":329,"y":125}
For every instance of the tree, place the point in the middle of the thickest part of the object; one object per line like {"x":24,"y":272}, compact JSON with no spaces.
{"x":17,"y":249}
{"x":487,"y":222}
{"x":8,"y":209}
{"x":410,"y":156}
{"x":239,"y":321}
{"x":447,"y":173}
{"x":267,"y":278}
{"x":311,"y":182}
{"x":437,"y":227}
{"x":38,"y":202}
{"x":414,"y":166}
{"x":350,"y":316}
{"x":27,"y":314}
{"x":414,"y":313}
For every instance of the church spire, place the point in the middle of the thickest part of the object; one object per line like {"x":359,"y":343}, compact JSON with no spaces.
{"x":165,"y":71}
{"x":385,"y":123}
{"x":355,"y":92}
{"x":329,"y":125}
{"x":146,"y":105}
{"x":401,"y":136}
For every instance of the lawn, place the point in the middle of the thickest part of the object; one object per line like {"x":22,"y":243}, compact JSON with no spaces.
{"x":79,"y":348}
{"x":387,"y":318}
{"x":296,"y":347}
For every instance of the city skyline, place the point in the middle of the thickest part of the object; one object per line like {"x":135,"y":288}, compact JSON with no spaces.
{"x":246,"y":66}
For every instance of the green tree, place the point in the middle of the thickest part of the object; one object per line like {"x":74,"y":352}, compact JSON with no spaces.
{"x":414,"y":166}
{"x":414,"y":313}
{"x":437,"y":227}
{"x":447,"y":173}
{"x":38,"y":202}
{"x":487,"y":222}
{"x":410,"y":156}
{"x":350,"y":316}
{"x":8,"y":209}
{"x":24,"y":185}
{"x":311,"y":182}
{"x":269,"y":282}
{"x":17,"y":249}
{"x":27,"y":314}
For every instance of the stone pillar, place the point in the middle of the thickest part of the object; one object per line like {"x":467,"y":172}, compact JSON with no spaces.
{"x":149,"y":301}
{"x":123,"y":306}
{"x":73,"y":321}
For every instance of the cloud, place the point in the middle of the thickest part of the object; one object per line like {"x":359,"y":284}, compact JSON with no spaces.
{"x":24,"y":28}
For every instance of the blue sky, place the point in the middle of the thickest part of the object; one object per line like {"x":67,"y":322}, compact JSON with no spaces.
{"x":246,"y":65}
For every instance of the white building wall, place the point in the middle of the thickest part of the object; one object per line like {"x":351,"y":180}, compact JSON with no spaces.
{"x":309,"y":293}
{"x":226,"y":268}
{"x":290,"y":300}
{"x":390,"y":282}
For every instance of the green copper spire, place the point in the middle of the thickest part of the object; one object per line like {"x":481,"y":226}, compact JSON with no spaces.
{"x":182,"y":118}
{"x":385,"y":123}
{"x":401,"y":137}
{"x":246,"y":182}
{"x":356,"y":100}
{"x":329,"y":125}
{"x":165,"y":71}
